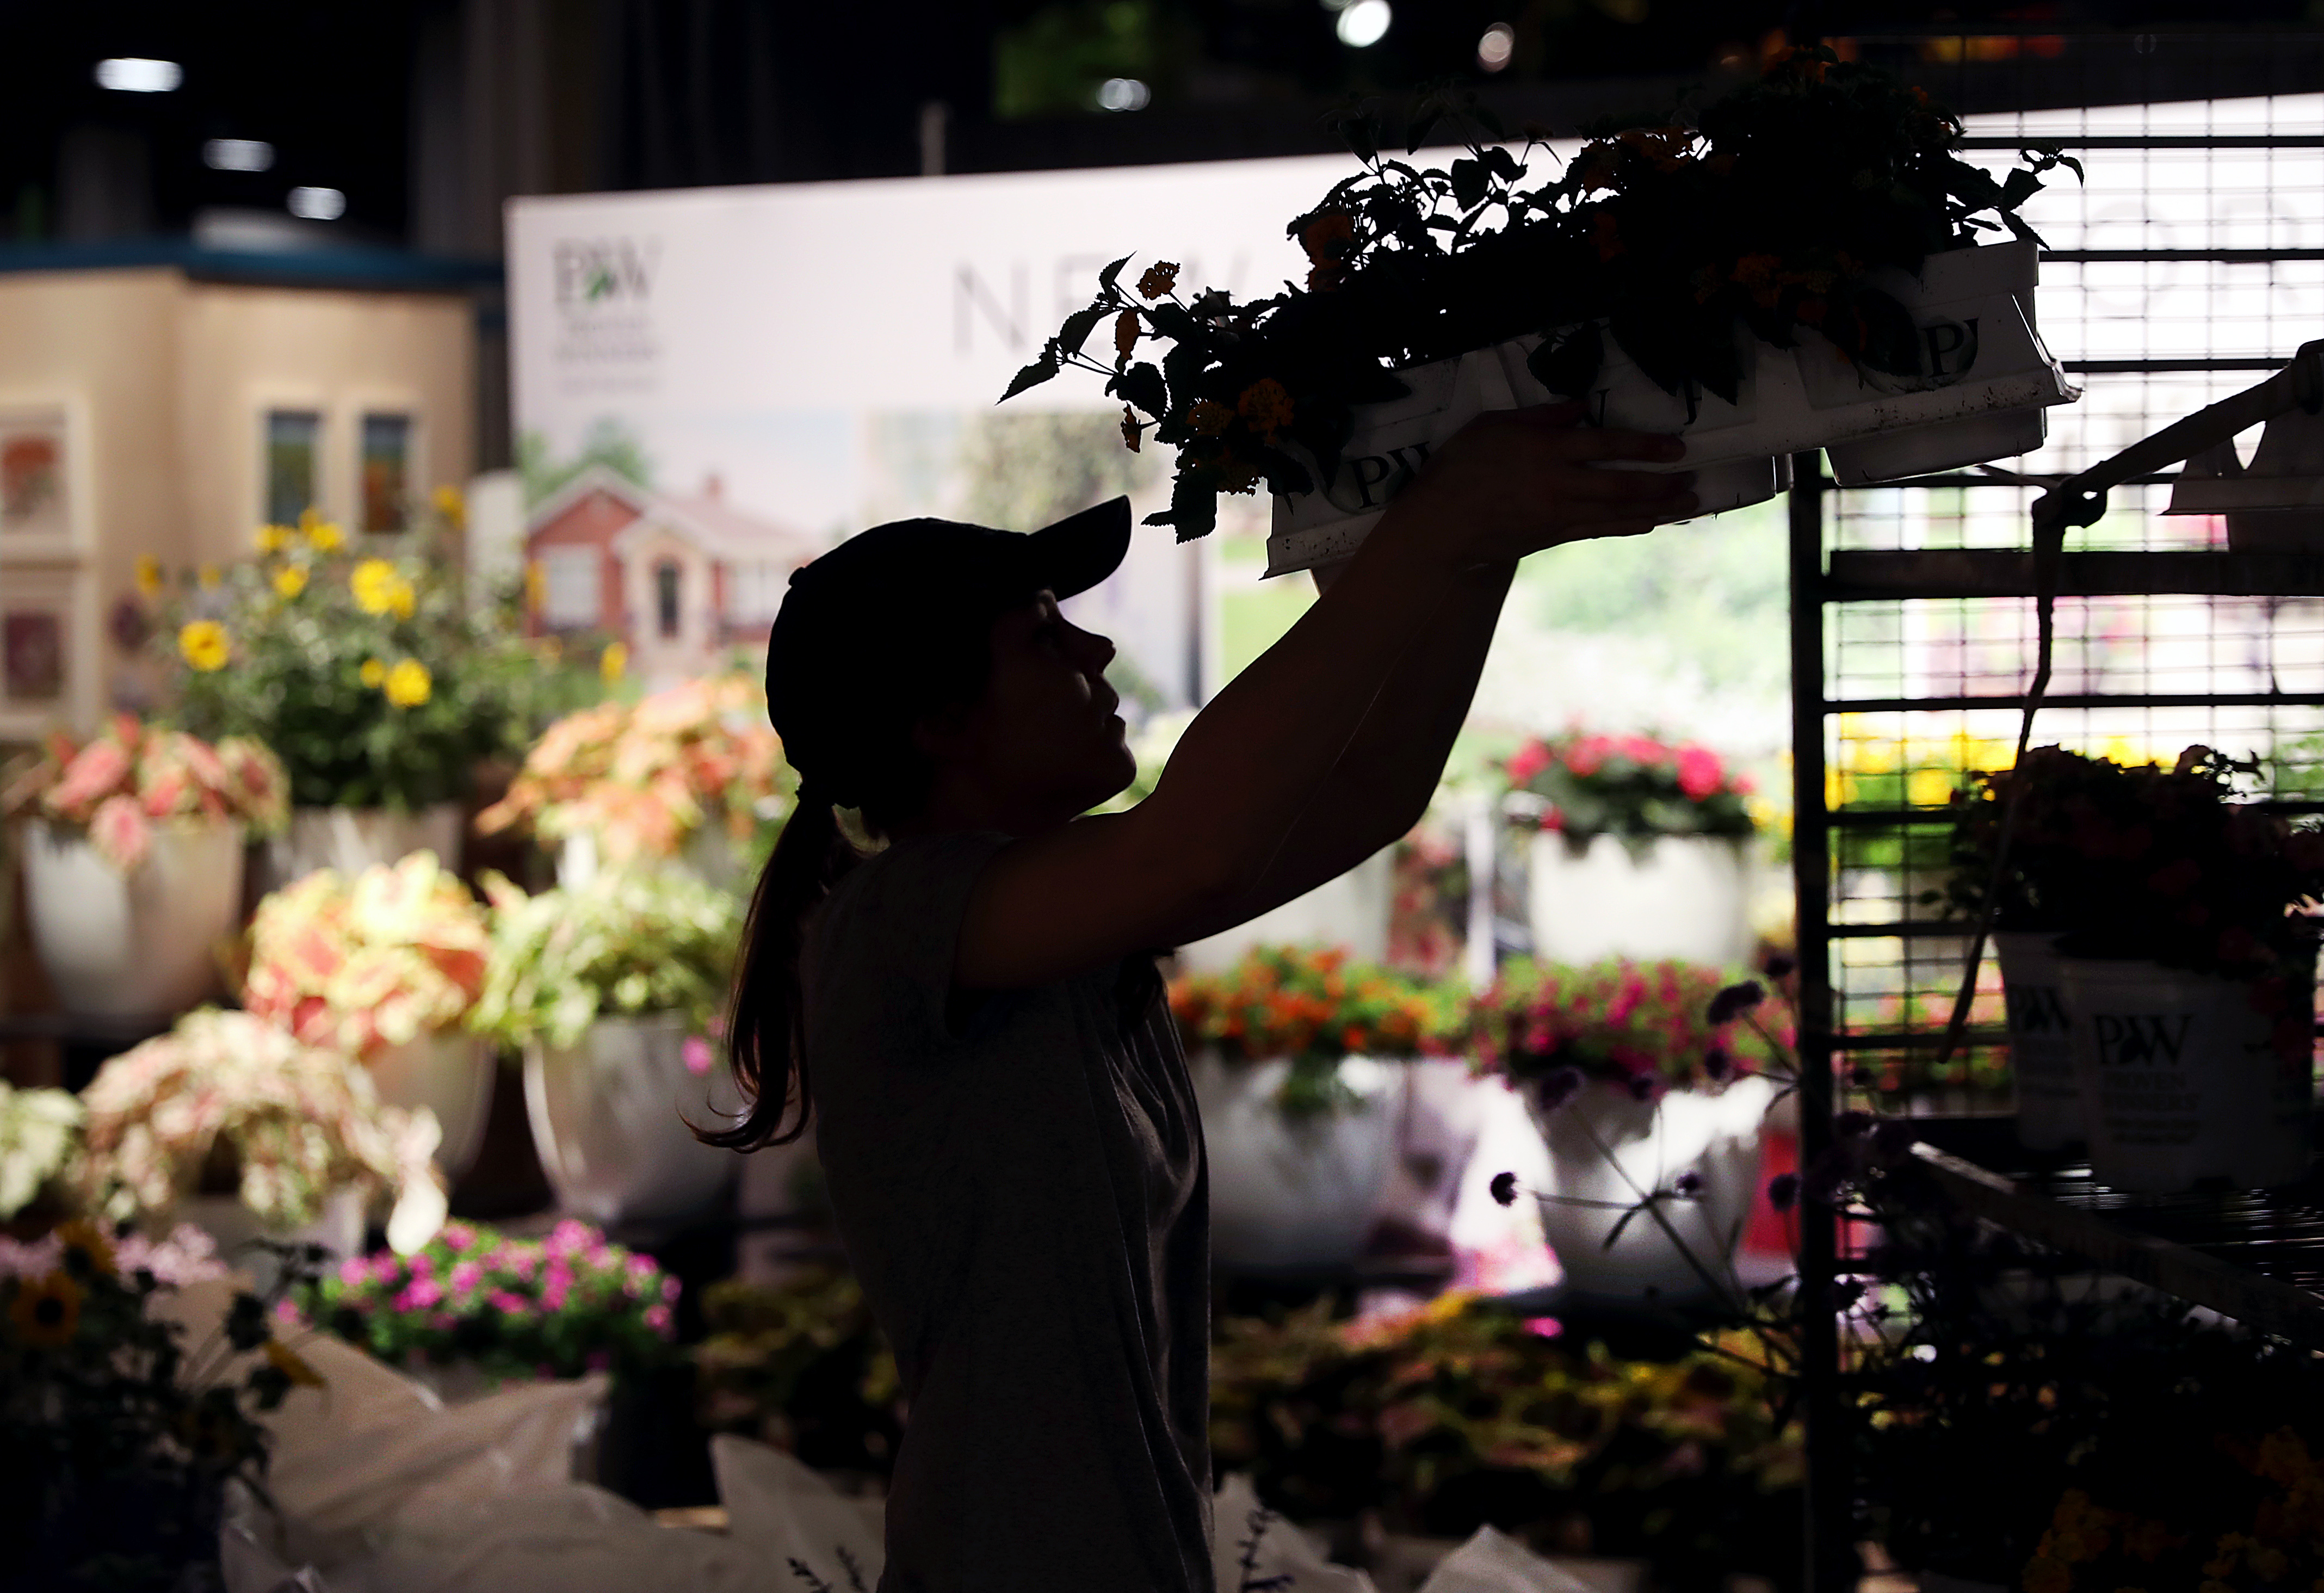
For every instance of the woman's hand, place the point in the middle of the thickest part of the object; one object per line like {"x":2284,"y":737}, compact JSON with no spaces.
{"x":1517,"y":481}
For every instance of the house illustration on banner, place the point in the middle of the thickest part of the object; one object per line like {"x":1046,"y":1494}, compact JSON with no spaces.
{"x":679,"y":580}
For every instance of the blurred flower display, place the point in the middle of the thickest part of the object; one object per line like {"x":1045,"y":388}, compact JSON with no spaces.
{"x":511,"y":1309}
{"x":1633,"y":786}
{"x":628,"y":943}
{"x":116,"y":787}
{"x":802,"y":1367}
{"x":360,"y":965}
{"x":1646,"y":1026}
{"x":40,"y":1132}
{"x":231,"y":1097}
{"x":642,"y":779}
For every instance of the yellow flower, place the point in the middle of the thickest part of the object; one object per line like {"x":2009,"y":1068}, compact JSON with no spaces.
{"x":408,"y":684}
{"x":271,"y":538}
{"x":614,"y":662}
{"x":209,"y":575}
{"x":535,"y":586}
{"x":291,"y":1363}
{"x":148,"y":575}
{"x":90,"y":1241}
{"x":373,"y":672}
{"x":46,"y":1312}
{"x":204,"y":644}
{"x":291,"y":580}
{"x":452,"y":506}
{"x":322,"y":534}
{"x":374,"y":583}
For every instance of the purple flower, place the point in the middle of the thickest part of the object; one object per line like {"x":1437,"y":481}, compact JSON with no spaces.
{"x":1784,"y":1190}
{"x":1735,"y":1000}
{"x":1688,"y":1186}
{"x":1505,"y":1189}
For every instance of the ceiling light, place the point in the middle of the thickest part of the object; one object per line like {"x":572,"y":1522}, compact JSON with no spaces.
{"x":1494,"y":50}
{"x":1364,"y":24}
{"x":135,"y":74}
{"x":317,"y":203}
{"x":237,"y":154}
{"x":1123,"y":94}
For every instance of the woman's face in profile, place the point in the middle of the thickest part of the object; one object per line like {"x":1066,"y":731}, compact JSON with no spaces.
{"x":1046,"y":735}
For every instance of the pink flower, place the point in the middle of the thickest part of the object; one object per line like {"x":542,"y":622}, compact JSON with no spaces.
{"x":1587,"y":756}
{"x":696,"y":1052}
{"x":1528,"y":761}
{"x":552,"y":1295}
{"x":120,"y":833}
{"x":670,"y":1290}
{"x":1643,"y":750}
{"x":658,"y":1319}
{"x":420,"y":1294}
{"x":355,"y":1271}
{"x":1699,"y":774}
{"x":508,"y":1303}
{"x":466,"y":1276}
{"x":97,"y":771}
{"x":457,"y":1236}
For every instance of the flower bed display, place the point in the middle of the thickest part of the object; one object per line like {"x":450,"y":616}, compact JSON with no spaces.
{"x":1458,"y":1415}
{"x":1649,"y":1083}
{"x":802,"y":1367}
{"x":132,"y":861}
{"x":230,"y":1104}
{"x":489,"y":1309}
{"x":1637,"y":850}
{"x":639,"y":782}
{"x":384,"y":968}
{"x":119,"y":1431}
{"x":1795,"y":268}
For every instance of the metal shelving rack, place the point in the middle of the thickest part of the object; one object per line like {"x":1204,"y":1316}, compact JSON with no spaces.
{"x":2194,"y":264}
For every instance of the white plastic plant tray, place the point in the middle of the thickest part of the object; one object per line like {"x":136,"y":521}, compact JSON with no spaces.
{"x":1985,"y":382}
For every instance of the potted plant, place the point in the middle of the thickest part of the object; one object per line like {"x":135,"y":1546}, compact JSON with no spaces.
{"x":384,"y":968}
{"x":231,"y":1123}
{"x":802,"y":1367}
{"x":132,"y":861}
{"x":40,"y":1134}
{"x":120,"y":1432}
{"x":1793,"y":267}
{"x":2186,"y":961}
{"x":474,"y":1308}
{"x":1637,"y":849}
{"x":1650,"y":1081}
{"x":372,"y":678}
{"x":691,"y":773}
{"x":1430,"y":1422}
{"x":613,"y":990}
{"x":1290,"y":1048}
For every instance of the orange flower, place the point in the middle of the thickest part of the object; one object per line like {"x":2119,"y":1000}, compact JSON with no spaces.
{"x":1160,"y":278}
{"x":1329,"y":236}
{"x":1205,"y":418}
{"x":1126,"y":331}
{"x":1132,"y":432}
{"x":1265,"y":405}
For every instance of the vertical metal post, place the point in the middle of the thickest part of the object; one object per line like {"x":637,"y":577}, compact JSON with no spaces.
{"x":1830,"y":1552}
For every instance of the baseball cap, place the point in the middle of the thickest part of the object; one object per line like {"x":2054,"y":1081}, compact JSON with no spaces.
{"x":861,"y":628}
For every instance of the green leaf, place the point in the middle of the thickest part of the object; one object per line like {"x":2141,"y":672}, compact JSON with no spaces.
{"x":1032,"y":375}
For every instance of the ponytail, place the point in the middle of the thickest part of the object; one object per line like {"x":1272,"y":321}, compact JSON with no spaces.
{"x":766,"y":1023}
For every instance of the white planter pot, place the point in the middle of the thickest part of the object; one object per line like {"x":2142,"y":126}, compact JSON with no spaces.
{"x":1292,"y":1193}
{"x":143,"y":944}
{"x":609,"y":1118}
{"x":450,"y":1075}
{"x":339,"y":1230}
{"x":1683,"y":897}
{"x":1350,"y":911}
{"x":2181,"y":1082}
{"x":2041,"y":1049}
{"x":352,"y":839}
{"x":1609,"y":1148}
{"x":1983,"y":380}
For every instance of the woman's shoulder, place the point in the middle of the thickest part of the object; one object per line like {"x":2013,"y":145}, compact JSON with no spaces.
{"x":909,"y":896}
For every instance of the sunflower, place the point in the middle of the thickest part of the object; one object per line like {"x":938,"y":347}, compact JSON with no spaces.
{"x":46,"y":1312}
{"x":204,"y":644}
{"x":88,"y":1241}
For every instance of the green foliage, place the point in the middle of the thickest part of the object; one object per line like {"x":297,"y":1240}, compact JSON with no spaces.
{"x":1023,"y":472}
{"x":609,"y":442}
{"x":1458,"y":1415}
{"x":802,"y":1367}
{"x":1764,"y":219}
{"x":1053,"y":63}
{"x":629,"y":942}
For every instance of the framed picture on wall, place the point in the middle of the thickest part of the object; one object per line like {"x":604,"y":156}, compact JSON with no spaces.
{"x":31,"y":655}
{"x":33,"y":491}
{"x":45,"y":675}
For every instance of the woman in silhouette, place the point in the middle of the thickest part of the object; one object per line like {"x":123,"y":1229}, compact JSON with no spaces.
{"x":963,"y":996}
